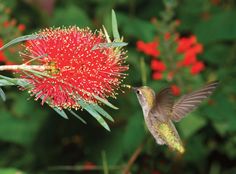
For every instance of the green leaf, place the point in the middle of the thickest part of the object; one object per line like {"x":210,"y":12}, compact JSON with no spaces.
{"x":191,"y":124}
{"x":4,"y":82}
{"x":77,"y":116}
{"x":102,"y":111}
{"x":196,"y":150}
{"x":20,"y":39}
{"x":22,"y":131}
{"x":222,"y":113}
{"x":115,"y":32}
{"x":106,"y":34}
{"x":2,"y":94}
{"x":221,"y":127}
{"x":134,"y":132}
{"x":74,"y":16}
{"x":7,"y":81}
{"x":104,"y":101}
{"x":94,"y":113}
{"x":60,"y":112}
{"x":146,"y":35}
{"x":218,"y":28}
{"x":109,"y":45}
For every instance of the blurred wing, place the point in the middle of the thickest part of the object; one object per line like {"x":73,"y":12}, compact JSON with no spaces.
{"x":189,"y":102}
{"x":163,"y":105}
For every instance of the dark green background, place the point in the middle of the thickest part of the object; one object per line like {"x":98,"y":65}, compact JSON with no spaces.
{"x":34,"y":138}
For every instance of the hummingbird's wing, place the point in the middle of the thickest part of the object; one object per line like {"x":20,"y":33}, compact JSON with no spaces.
{"x":163,"y":106}
{"x":190,"y":101}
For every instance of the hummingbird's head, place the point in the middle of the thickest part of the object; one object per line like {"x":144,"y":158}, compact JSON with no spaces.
{"x":146,"y":97}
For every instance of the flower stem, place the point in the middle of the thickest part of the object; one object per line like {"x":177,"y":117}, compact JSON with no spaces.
{"x":22,"y":67}
{"x":143,"y":71}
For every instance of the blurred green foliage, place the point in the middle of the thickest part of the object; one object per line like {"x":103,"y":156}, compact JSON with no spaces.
{"x":33,"y":138}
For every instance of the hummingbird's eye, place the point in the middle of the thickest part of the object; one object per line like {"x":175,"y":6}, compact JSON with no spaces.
{"x":138,"y":92}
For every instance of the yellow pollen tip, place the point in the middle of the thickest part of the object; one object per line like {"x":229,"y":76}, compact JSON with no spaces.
{"x":127,"y":86}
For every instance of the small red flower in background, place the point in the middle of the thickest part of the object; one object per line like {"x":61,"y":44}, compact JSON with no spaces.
{"x":190,"y":48}
{"x":167,"y":36}
{"x":2,"y":56}
{"x":197,"y":68}
{"x":149,"y":48}
{"x":6,"y":24}
{"x":170,"y":76}
{"x":75,"y":67}
{"x":157,"y":65}
{"x":21,"y":27}
{"x":187,"y":47}
{"x":177,"y":22}
{"x":157,"y":75}
{"x":175,"y":90}
{"x":185,"y":43}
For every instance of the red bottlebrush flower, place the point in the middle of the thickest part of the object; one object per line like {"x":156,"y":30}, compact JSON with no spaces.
{"x":74,"y":68}
{"x":197,"y":68}
{"x":149,"y":48}
{"x":175,"y":90}
{"x":21,"y":27}
{"x":157,"y":75}
{"x":157,"y":65}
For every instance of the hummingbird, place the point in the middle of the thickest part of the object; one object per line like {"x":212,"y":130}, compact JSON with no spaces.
{"x":161,"y":110}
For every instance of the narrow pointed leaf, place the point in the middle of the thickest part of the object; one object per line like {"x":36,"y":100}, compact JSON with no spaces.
{"x":36,"y":58}
{"x":38,"y":73}
{"x":104,"y":101}
{"x":60,"y":112}
{"x":109,"y":45}
{"x":4,"y":82}
{"x":2,"y":94}
{"x":7,"y":81}
{"x":77,"y":116}
{"x":94,"y":113}
{"x":106,"y":34}
{"x":102,"y":112}
{"x":20,"y":39}
{"x":115,"y":32}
